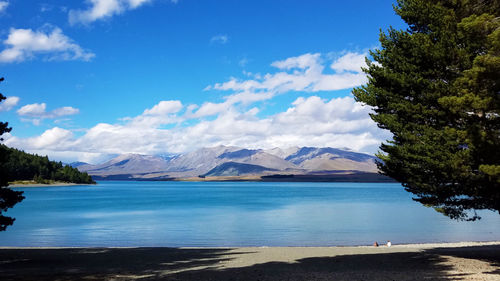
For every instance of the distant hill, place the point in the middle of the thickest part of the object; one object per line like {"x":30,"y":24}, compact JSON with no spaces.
{"x":126,"y":164}
{"x":22,"y":166}
{"x":236,"y":169}
{"x":234,"y":161}
{"x":327,"y":158}
{"x":77,"y":164}
{"x":331,"y":177}
{"x":308,"y":153}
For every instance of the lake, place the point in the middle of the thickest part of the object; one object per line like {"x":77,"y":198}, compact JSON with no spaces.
{"x":211,"y":214}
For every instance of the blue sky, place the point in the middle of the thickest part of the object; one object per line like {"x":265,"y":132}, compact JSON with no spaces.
{"x":90,"y":79}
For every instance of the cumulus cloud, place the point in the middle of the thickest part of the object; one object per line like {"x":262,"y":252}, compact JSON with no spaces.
{"x":161,"y":114}
{"x":49,"y":42}
{"x":308,"y":121}
{"x":102,"y":9}
{"x":164,"y":107}
{"x":221,"y":39}
{"x":301,"y":62}
{"x":37,"y":112}
{"x":305,"y":73}
{"x":312,"y":121}
{"x":8,"y":103}
{"x":52,"y":137}
{"x":3,"y":6}
{"x":349,"y":62}
{"x":32,"y":110}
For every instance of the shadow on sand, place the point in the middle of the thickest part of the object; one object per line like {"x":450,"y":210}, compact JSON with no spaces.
{"x":207,"y":264}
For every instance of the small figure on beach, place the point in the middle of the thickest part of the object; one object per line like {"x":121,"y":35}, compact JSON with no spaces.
{"x":375,"y":244}
{"x":389,"y":244}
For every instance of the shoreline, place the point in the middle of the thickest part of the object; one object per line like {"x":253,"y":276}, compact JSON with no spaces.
{"x":381,"y":246}
{"x":433,"y":261}
{"x":18,"y":185}
{"x":345,"y":176}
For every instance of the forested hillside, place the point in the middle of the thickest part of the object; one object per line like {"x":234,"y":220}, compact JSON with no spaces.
{"x":24,"y":166}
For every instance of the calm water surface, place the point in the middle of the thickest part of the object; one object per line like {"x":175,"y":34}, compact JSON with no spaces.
{"x":232,"y":214}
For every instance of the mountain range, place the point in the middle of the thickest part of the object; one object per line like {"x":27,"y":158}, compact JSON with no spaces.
{"x":234,"y":162}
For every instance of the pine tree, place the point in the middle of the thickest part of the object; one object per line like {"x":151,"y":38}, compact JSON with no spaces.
{"x":8,"y":197}
{"x":436,"y":88}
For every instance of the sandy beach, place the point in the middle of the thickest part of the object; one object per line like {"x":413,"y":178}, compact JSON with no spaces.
{"x":446,"y":261}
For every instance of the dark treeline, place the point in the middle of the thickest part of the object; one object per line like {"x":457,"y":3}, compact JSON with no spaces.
{"x":24,"y":166}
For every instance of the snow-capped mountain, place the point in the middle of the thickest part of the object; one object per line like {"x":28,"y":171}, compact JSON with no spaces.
{"x":229,"y":160}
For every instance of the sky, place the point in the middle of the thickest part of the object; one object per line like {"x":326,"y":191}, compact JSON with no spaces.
{"x":86,"y":80}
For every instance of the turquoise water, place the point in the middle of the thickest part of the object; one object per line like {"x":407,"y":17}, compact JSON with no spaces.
{"x":232,"y":214}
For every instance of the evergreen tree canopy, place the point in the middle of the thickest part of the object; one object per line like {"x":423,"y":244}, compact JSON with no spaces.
{"x":8,"y":197}
{"x":19,"y":165}
{"x":436,"y":87}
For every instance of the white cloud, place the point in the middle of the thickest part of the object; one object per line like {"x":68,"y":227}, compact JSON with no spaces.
{"x":301,"y":73}
{"x":349,"y":62}
{"x":55,"y":138}
{"x":161,"y":114}
{"x":52,"y":137}
{"x":3,"y":6}
{"x":49,"y":42}
{"x":37,"y":111}
{"x":308,"y":121}
{"x":221,"y":39}
{"x":209,"y":108}
{"x":8,"y":103}
{"x":164,"y":107}
{"x":64,"y":111}
{"x":340,"y":115}
{"x":102,"y":9}
{"x":32,"y":110}
{"x":301,"y":62}
{"x":136,"y":3}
